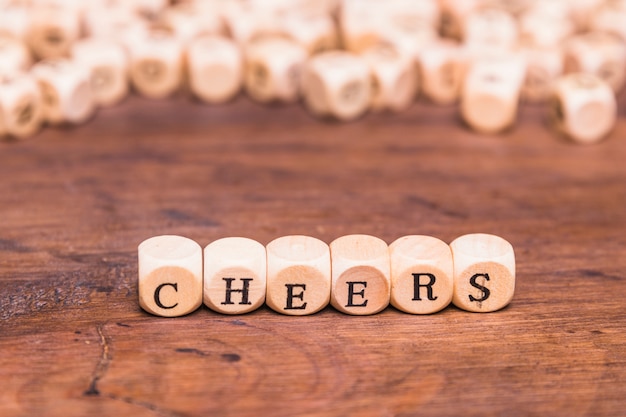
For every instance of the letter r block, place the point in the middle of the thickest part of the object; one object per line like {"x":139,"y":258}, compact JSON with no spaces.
{"x":484,"y":272}
{"x":360,"y":274}
{"x":170,"y":275}
{"x":421,"y":274}
{"x":234,"y":275}
{"x":298,"y":275}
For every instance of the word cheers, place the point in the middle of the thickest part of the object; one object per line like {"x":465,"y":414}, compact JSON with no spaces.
{"x":300,"y":275}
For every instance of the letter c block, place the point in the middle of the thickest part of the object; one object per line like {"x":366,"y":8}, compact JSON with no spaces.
{"x":235,"y":270}
{"x":361,"y":283}
{"x":298,"y":275}
{"x":170,"y":275}
{"x":484,"y":272}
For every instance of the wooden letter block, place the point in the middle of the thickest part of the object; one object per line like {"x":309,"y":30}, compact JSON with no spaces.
{"x":583,"y":107}
{"x":484,"y":272}
{"x":170,"y":275}
{"x":491,"y":92}
{"x":156,"y":64}
{"x":314,"y":31}
{"x":52,"y":30}
{"x":492,"y":29}
{"x":14,"y":56}
{"x":273,"y":68}
{"x":215,"y":68}
{"x":337,"y":84}
{"x":441,"y":68}
{"x":421,"y":274}
{"x":298,"y":275}
{"x":66,"y":91}
{"x":21,"y":107}
{"x":601,"y":54}
{"x":189,"y":21}
{"x":394,"y":78}
{"x":543,"y":67}
{"x":107,"y":64}
{"x":235,"y":270}
{"x":361,"y":282}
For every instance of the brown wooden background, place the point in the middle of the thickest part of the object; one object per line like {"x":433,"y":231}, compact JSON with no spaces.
{"x":75,"y":202}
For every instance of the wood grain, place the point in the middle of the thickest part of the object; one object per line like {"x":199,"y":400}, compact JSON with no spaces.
{"x":75,"y":202}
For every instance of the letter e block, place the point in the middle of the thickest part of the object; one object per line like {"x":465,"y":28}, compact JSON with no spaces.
{"x":484,"y":272}
{"x":361,"y":283}
{"x":298,"y":275}
{"x":234,"y":275}
{"x":170,"y":275}
{"x":421,"y":274}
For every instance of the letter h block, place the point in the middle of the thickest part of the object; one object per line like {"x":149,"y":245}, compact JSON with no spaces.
{"x":484,"y":272}
{"x":298,"y":275}
{"x":234,"y":275}
{"x":170,"y":275}
{"x":360,"y":274}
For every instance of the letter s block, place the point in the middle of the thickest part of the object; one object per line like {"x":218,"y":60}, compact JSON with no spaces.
{"x":298,"y":275}
{"x":360,"y":274}
{"x":170,"y":275}
{"x":235,"y":270}
{"x":484,"y":272}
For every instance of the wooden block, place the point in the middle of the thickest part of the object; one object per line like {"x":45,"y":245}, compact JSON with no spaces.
{"x":337,"y":84}
{"x":543,"y":67}
{"x":484,"y":272}
{"x":441,"y":70}
{"x":117,"y":24}
{"x":361,"y":282}
{"x":491,"y":29}
{"x":235,"y":270}
{"x":66,"y":91}
{"x":21,"y":107}
{"x":170,"y":275}
{"x":421,"y":274}
{"x":156,"y":64}
{"x":453,"y":13}
{"x":545,"y":27}
{"x":215,"y":67}
{"x":52,"y":31}
{"x":583,"y":107}
{"x":14,"y":21}
{"x":107,"y":64}
{"x":14,"y":56}
{"x":188,"y":21}
{"x":598,"y":53}
{"x":316,"y":32}
{"x":298,"y":275}
{"x":610,"y":18}
{"x":490,"y":93}
{"x":394,"y":78}
{"x":272,"y":69}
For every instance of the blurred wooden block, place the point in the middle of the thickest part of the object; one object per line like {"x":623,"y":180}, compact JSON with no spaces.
{"x":484,"y":272}
{"x":394,"y":78}
{"x":336,"y":84}
{"x":107,"y":64}
{"x":215,"y":67}
{"x":117,"y":24}
{"x":598,"y":53}
{"x":441,"y":70}
{"x":583,"y":107}
{"x":361,"y":282}
{"x":543,"y":67}
{"x":21,"y":107}
{"x":52,"y":31}
{"x":490,"y":29}
{"x":14,"y":21}
{"x":316,"y":32}
{"x":610,"y":18}
{"x":453,"y":13}
{"x":190,"y":20}
{"x":490,"y":93}
{"x":235,"y":270}
{"x":272,"y":69}
{"x":66,"y":91}
{"x":582,"y":11}
{"x":170,"y":275}
{"x":545,"y":25}
{"x":421,"y":274}
{"x":298,"y":275}
{"x":156,"y":64}
{"x":14,"y":56}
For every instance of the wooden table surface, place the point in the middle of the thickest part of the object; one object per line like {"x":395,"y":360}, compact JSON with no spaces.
{"x":75,"y":202}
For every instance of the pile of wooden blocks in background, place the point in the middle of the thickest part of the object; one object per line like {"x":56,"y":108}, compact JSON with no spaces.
{"x":342,"y":57}
{"x":300,"y":275}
